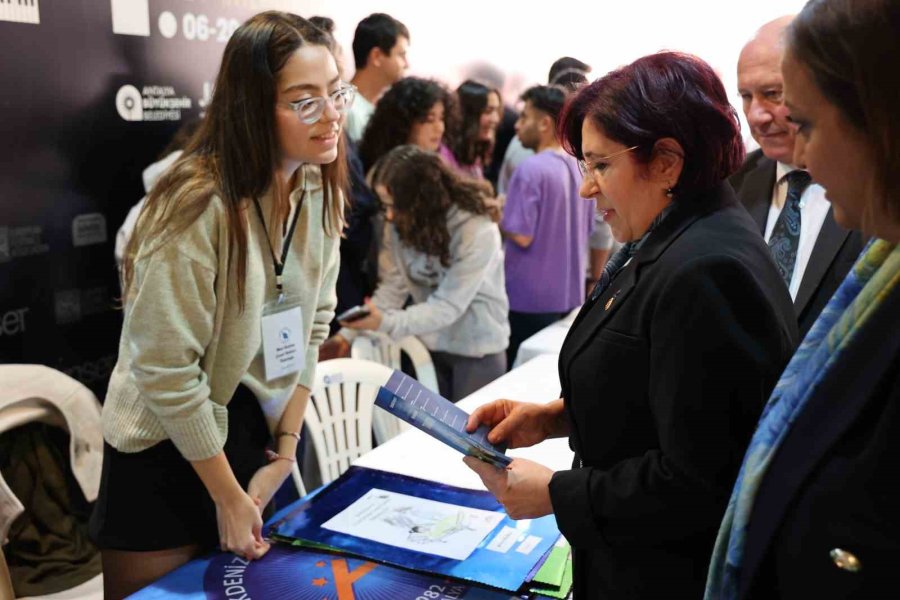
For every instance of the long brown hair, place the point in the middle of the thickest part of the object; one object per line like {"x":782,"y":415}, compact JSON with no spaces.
{"x":844,"y":44}
{"x":423,"y":188}
{"x":406,"y":103}
{"x":235,"y":152}
{"x":472,"y":99}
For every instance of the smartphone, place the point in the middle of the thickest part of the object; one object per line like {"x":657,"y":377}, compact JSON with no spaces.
{"x":353,"y":314}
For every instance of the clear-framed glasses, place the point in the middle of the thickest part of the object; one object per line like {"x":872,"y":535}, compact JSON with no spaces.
{"x":598,"y":166}
{"x":309,"y":110}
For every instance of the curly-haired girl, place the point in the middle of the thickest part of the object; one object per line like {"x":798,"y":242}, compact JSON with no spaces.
{"x":413,"y":111}
{"x":443,"y":250}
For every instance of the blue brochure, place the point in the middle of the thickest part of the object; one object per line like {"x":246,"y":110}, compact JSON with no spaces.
{"x":286,"y":573}
{"x":504,"y":556}
{"x":409,"y":400}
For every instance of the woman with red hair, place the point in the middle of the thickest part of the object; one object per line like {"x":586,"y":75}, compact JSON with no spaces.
{"x":669,"y":363}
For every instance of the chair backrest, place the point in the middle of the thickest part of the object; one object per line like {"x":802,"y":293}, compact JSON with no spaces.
{"x":339,"y":414}
{"x":421,"y":360}
{"x":10,"y":418}
{"x":6,"y":588}
{"x":34,"y":393}
{"x":378,"y":347}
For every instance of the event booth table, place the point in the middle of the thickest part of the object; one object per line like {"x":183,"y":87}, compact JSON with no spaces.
{"x":416,"y":454}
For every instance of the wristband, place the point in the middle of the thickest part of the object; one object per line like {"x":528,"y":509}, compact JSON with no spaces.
{"x":273,"y":456}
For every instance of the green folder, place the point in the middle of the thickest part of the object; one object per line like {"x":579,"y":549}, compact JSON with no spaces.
{"x":554,"y":578}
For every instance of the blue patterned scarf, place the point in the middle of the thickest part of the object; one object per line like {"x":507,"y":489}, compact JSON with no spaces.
{"x":875,"y":274}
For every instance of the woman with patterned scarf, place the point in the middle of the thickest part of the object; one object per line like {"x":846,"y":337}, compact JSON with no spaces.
{"x":814,"y":513}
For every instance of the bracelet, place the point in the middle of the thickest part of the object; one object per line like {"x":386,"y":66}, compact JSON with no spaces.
{"x":293,"y":434}
{"x":272,"y":456}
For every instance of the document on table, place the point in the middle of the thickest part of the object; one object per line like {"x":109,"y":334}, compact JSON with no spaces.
{"x":414,"y":523}
{"x":420,"y":525}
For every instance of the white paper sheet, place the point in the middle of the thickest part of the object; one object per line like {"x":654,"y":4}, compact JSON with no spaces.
{"x":415,"y":523}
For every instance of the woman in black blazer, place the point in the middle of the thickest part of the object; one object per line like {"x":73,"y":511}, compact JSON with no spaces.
{"x":816,"y":510}
{"x":668,"y":365}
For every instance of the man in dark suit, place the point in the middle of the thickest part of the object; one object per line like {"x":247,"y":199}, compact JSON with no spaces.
{"x":812,"y":251}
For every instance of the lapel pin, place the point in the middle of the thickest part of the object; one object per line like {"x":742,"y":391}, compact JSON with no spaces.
{"x":610,"y":301}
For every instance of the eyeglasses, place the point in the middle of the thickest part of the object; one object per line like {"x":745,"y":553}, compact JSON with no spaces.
{"x":310,"y":110}
{"x":588,"y":168}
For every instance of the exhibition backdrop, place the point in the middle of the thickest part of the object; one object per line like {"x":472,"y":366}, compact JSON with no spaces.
{"x":91,"y":91}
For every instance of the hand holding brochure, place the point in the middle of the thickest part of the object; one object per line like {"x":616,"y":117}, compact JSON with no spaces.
{"x":409,"y":400}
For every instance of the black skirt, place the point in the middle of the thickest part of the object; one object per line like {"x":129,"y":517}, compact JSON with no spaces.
{"x":154,"y":500}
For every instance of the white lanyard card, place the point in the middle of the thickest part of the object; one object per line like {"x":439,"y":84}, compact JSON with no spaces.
{"x":284,"y":346}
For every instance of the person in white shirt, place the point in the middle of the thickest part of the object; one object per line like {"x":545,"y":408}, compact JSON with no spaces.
{"x":815,"y":254}
{"x":380,"y":44}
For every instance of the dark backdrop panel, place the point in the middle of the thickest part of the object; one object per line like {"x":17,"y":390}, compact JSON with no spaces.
{"x":83,"y":110}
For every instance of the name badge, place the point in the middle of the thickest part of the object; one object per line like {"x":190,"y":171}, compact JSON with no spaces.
{"x":284,"y":347}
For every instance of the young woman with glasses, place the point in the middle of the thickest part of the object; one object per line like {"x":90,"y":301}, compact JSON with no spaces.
{"x":228,"y":292}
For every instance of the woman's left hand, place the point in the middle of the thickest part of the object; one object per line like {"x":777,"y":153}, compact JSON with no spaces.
{"x":369,"y":323}
{"x":266,"y":481}
{"x":523,"y":488}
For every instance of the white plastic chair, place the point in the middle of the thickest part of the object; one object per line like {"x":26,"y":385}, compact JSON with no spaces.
{"x":339,"y":414}
{"x":380,"y":348}
{"x":25,"y":400}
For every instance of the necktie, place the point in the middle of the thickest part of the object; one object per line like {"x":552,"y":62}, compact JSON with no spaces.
{"x":785,"y":239}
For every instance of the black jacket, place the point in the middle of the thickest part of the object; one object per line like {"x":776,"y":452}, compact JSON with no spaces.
{"x":834,"y":484}
{"x":835,"y":250}
{"x":664,"y":377}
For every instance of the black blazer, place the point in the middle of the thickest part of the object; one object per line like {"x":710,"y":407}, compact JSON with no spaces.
{"x":664,"y":377}
{"x":834,"y":484}
{"x":835,"y":250}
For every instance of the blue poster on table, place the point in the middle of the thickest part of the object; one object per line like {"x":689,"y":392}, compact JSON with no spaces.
{"x":422,"y":525}
{"x":286,"y":573}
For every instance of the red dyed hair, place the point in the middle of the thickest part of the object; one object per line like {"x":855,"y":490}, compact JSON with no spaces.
{"x":668,"y":94}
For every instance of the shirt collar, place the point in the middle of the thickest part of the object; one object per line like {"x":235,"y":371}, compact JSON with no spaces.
{"x":782,"y":170}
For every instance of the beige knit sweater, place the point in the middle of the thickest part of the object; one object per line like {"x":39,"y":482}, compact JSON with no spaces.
{"x":185,"y":344}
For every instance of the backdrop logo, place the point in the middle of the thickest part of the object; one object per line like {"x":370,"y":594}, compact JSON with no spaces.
{"x":93,"y":371}
{"x":20,"y":11}
{"x":168,"y":24}
{"x":129,"y":103}
{"x":13,"y":322}
{"x":19,"y":242}
{"x":130,"y":17}
{"x":151,"y":103}
{"x":75,"y":304}
{"x":89,"y":229}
